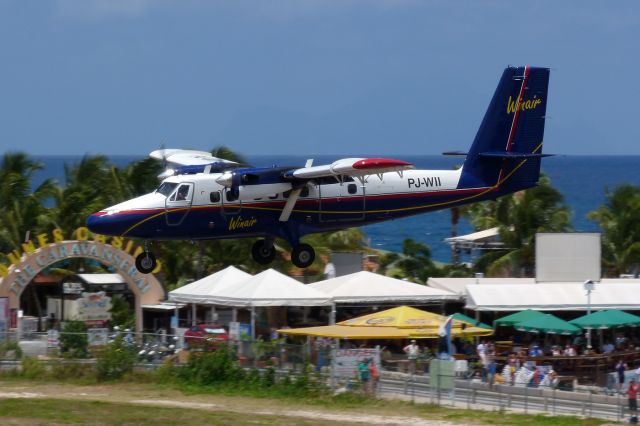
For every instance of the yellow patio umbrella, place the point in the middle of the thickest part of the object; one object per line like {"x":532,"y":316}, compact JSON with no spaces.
{"x":396,"y":323}
{"x":345,"y":332}
{"x":403,"y":317}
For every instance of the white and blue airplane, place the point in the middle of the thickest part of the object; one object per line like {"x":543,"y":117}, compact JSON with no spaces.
{"x":203,"y":197}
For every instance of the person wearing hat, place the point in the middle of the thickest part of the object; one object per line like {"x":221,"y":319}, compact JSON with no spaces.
{"x":412,"y":350}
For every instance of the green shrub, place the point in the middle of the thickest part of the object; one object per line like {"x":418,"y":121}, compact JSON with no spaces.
{"x":32,"y":369}
{"x":63,"y":371}
{"x":115,"y":361}
{"x":73,"y":340}
{"x":10,"y":350}
{"x":207,"y":368}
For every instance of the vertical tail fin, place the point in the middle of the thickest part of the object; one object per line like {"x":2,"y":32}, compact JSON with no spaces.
{"x":507,"y":149}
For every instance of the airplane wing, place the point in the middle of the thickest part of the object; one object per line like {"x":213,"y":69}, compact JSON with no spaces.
{"x":351,"y":167}
{"x":187,"y":157}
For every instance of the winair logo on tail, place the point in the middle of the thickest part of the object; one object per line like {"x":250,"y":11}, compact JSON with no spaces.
{"x":522,"y":105}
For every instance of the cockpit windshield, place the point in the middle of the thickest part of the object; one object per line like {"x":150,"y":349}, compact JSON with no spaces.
{"x":166,"y":188}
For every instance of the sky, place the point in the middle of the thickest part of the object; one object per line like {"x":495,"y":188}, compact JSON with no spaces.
{"x":303,"y":77}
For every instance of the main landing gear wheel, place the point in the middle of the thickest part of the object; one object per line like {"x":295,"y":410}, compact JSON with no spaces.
{"x":262,"y":252}
{"x":146,"y":262}
{"x":303,"y":255}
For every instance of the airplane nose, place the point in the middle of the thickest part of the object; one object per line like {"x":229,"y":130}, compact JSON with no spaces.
{"x":98,"y":223}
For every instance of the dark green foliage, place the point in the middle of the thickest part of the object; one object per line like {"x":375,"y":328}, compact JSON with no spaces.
{"x":619,"y":218}
{"x":122,"y":313}
{"x":10,"y":350}
{"x":31,"y":368}
{"x":519,"y":217}
{"x":73,"y":340}
{"x":115,"y":361}
{"x":63,"y":371}
{"x":206,"y":368}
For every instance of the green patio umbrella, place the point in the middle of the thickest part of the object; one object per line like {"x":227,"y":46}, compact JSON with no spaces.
{"x":547,"y":323}
{"x":517,"y":317}
{"x":607,"y":319}
{"x":469,"y":320}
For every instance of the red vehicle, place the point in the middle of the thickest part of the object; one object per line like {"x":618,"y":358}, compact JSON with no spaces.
{"x":205,"y":335}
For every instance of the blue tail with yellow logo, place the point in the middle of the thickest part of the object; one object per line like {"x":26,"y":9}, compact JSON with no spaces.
{"x":507,"y":149}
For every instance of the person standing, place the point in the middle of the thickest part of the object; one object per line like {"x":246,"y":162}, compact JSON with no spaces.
{"x":621,"y":367}
{"x":375,"y":376}
{"x":632,"y":394}
{"x":365,"y":375}
{"x":412,"y":350}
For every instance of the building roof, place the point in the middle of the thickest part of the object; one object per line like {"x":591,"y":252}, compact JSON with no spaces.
{"x":459,"y":285}
{"x":101,"y":278}
{"x":559,"y":296}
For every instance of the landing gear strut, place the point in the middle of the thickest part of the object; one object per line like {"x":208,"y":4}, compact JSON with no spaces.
{"x":303,"y":255}
{"x":263,"y":252}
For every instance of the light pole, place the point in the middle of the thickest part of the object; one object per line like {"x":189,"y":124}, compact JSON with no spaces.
{"x":589,"y":286}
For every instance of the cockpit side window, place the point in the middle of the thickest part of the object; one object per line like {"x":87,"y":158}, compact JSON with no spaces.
{"x":166,"y":188}
{"x":182,"y":193}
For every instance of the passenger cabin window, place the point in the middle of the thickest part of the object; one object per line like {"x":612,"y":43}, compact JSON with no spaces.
{"x":352,"y":188}
{"x":230,"y":195}
{"x":214,"y":197}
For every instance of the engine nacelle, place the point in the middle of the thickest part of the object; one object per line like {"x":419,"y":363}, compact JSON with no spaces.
{"x":249,"y":184}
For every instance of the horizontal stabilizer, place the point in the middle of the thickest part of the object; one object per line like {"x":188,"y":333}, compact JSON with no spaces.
{"x":512,"y":154}
{"x":455,"y":153}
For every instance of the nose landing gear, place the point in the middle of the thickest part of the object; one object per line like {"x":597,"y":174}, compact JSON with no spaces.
{"x":146,"y":262}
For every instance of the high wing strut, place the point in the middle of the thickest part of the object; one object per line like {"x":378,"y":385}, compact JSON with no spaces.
{"x":293,"y":198}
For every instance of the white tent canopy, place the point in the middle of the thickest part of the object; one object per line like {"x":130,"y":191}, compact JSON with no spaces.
{"x":561,"y":296}
{"x":369,"y":287}
{"x":202,"y":290}
{"x":270,"y":288}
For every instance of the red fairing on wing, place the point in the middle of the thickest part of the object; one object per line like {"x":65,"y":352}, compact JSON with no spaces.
{"x":376,"y":163}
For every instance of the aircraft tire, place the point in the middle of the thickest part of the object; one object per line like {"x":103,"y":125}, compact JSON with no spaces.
{"x":303,"y":255}
{"x":146,"y":262}
{"x":261,"y":254}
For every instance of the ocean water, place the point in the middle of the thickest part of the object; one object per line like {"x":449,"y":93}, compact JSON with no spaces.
{"x":581,"y":179}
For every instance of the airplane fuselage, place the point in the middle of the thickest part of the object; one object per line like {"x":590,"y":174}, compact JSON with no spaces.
{"x":210,"y":210}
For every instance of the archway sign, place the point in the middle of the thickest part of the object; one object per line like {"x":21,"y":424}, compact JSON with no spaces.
{"x":48,"y":249}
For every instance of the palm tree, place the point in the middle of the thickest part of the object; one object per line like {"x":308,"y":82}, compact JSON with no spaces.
{"x":23,"y":209}
{"x":519,"y":217}
{"x":414,"y":263}
{"x":619,"y":218}
{"x":91,"y":185}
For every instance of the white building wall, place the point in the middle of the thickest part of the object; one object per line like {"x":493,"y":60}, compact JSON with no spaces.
{"x":568,"y":257}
